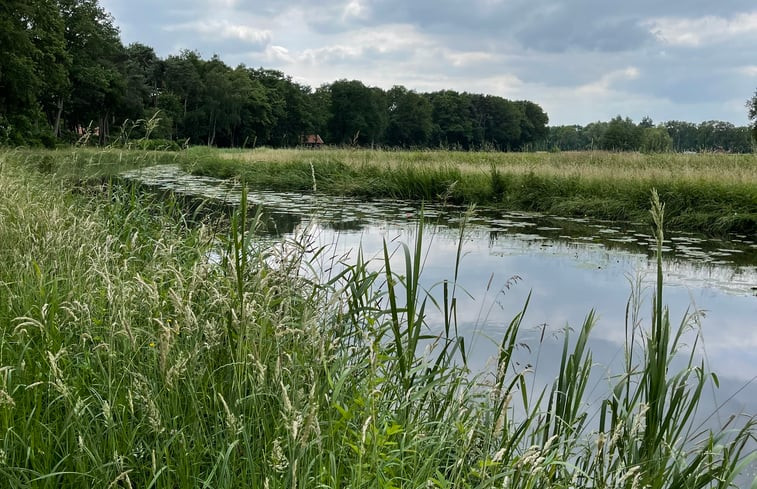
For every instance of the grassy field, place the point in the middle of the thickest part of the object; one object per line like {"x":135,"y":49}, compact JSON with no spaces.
{"x":711,"y":193}
{"x":143,"y":349}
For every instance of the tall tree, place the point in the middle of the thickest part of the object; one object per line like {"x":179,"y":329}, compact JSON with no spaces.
{"x":291,"y":114}
{"x":357,"y":112}
{"x":183,"y":83}
{"x":752,"y":106}
{"x":33,"y":67}
{"x":684,"y":135}
{"x":534,"y":122}
{"x":97,"y":77}
{"x":498,"y":121}
{"x":655,"y":139}
{"x":251,"y":109}
{"x":622,"y":135}
{"x":453,"y":121}
{"x":409,"y":118}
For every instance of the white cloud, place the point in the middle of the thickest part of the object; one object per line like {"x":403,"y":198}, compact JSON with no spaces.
{"x":693,"y":32}
{"x":331,"y":53}
{"x":215,"y":4}
{"x":605,"y":84}
{"x":278,"y":54}
{"x":355,"y":9}
{"x":225,"y":30}
{"x":385,"y":40}
{"x":748,"y":70}
{"x":466,"y":58}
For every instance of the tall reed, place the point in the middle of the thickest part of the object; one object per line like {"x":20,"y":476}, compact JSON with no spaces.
{"x":142,"y":348}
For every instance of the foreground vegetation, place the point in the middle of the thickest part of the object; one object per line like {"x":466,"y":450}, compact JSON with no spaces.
{"x":711,"y":193}
{"x":143,"y":347}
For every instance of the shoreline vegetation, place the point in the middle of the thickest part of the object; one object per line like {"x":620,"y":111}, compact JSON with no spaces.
{"x":130,"y":358}
{"x":711,"y":193}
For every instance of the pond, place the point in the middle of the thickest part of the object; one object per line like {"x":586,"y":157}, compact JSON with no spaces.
{"x":569,"y":266}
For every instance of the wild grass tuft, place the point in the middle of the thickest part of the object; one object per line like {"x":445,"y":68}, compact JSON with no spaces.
{"x":139,"y":348}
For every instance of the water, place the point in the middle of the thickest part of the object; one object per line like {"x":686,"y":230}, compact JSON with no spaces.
{"x":569,"y":266}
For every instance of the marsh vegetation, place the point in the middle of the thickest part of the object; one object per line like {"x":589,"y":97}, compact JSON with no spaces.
{"x":711,"y":193}
{"x":129,"y":357}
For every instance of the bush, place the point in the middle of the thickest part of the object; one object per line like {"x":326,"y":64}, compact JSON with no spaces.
{"x":158,"y":145}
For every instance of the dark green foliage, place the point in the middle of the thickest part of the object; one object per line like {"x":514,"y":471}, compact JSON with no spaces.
{"x":656,"y":140}
{"x":64,"y":73}
{"x":622,"y":135}
{"x":453,"y":121}
{"x":98,"y":85}
{"x":357,"y":114}
{"x":533,"y":123}
{"x":499,"y":123}
{"x":410,"y":120}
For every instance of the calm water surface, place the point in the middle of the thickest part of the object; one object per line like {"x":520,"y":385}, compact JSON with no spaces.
{"x":569,"y":266}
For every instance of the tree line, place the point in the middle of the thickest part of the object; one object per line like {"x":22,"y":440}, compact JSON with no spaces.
{"x":65,"y":75}
{"x":622,"y":134}
{"x":64,"y":72}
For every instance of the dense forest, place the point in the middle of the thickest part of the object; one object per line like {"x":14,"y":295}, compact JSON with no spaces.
{"x":65,"y":76}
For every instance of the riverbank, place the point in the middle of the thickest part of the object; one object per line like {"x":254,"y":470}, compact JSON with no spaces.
{"x":715,"y":194}
{"x":142,"y":349}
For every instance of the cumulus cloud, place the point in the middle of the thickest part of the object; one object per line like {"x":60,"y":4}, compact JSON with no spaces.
{"x":606,"y":83}
{"x":225,"y":30}
{"x":693,"y":32}
{"x":583,"y":60}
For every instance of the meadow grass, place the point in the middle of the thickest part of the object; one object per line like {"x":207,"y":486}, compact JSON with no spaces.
{"x":143,"y":349}
{"x":73,"y":166}
{"x":711,"y":193}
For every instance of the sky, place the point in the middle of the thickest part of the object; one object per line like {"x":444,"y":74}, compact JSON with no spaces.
{"x":581,"y":61}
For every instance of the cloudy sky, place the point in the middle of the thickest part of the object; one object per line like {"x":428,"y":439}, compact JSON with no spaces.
{"x":582,"y":61}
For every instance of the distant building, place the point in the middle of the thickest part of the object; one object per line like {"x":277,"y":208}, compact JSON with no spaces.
{"x":311,"y":141}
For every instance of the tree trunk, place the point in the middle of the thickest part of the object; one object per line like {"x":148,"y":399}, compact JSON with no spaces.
{"x":212,"y":135}
{"x":103,"y":129}
{"x":56,"y":130}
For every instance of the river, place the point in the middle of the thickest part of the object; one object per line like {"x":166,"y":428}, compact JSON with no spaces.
{"x":568,"y":265}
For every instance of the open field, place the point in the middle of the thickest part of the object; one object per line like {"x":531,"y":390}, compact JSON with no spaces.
{"x":711,"y":193}
{"x":130,"y":358}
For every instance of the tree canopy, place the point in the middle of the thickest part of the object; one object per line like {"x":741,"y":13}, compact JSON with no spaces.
{"x":621,"y":134}
{"x":65,"y":72}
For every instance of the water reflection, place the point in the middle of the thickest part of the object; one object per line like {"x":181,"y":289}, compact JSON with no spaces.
{"x":568,"y":265}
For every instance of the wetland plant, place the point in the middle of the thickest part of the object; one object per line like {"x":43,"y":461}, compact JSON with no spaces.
{"x":130,"y":358}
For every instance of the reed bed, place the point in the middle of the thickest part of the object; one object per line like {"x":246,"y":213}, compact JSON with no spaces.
{"x":720,"y":167}
{"x":711,"y":193}
{"x":144,"y":347}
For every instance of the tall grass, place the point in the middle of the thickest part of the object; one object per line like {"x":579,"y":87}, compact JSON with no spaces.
{"x":712,"y":193}
{"x":139,"y":348}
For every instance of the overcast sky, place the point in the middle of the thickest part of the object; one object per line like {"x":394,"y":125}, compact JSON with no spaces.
{"x":582,"y":61}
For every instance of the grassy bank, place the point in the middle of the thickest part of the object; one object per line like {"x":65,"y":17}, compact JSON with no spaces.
{"x":141,"y":350}
{"x":710,"y":193}
{"x":87,"y":166}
